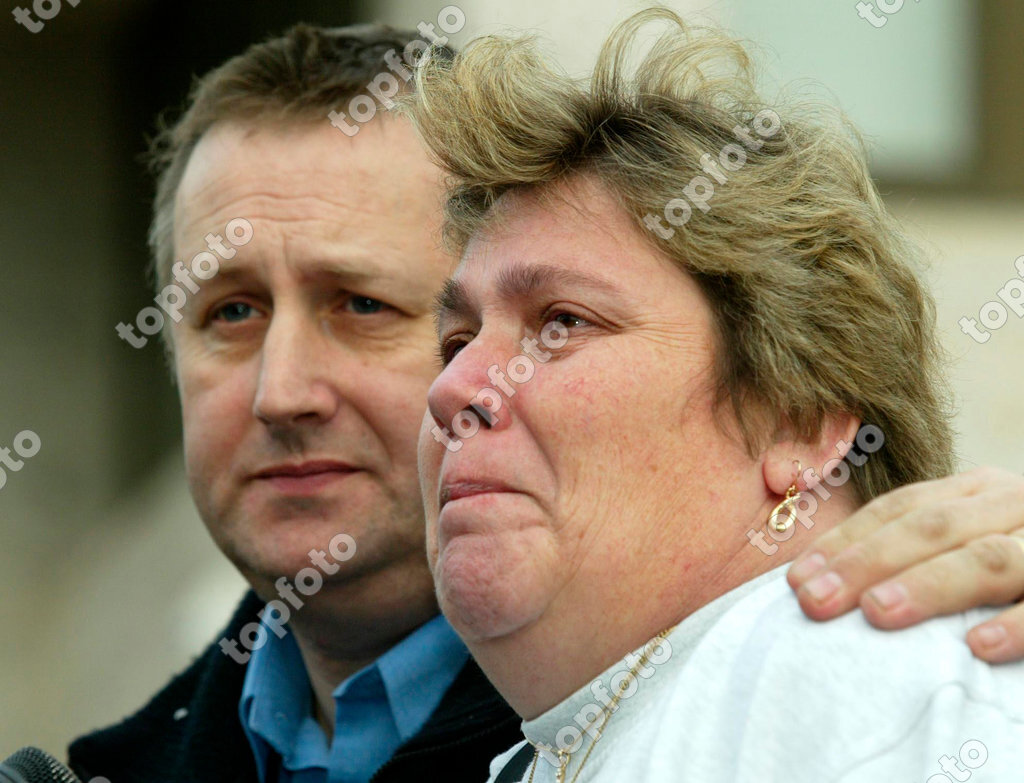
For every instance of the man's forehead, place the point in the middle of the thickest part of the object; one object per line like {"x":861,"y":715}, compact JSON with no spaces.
{"x":315,"y":261}
{"x":303,"y":158}
{"x":305,"y":186}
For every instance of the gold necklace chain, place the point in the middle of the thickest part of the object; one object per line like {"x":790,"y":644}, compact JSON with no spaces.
{"x":564,"y":756}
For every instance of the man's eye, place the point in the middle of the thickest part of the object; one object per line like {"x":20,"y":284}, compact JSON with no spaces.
{"x":233,"y":312}
{"x":365,"y":305}
{"x":569,"y":320}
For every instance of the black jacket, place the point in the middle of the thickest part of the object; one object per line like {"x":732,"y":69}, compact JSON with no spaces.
{"x":190,"y":731}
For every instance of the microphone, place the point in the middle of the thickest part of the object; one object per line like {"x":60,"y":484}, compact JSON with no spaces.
{"x":31,"y":765}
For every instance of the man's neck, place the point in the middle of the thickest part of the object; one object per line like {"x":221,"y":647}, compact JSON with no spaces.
{"x":325,"y":675}
{"x":369,"y":620}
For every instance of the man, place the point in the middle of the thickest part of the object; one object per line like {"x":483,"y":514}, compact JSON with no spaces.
{"x":303,"y":364}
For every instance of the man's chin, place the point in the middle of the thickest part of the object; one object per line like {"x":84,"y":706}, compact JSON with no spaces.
{"x":299,"y":568}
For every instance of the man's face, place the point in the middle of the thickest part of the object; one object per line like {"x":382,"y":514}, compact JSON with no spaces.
{"x":581,"y":494}
{"x":303,"y":365}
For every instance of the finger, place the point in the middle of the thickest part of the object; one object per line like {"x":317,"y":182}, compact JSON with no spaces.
{"x":892,"y":506}
{"x":988,"y":571}
{"x":913,"y":539}
{"x":1000,"y":639}
{"x":829,"y":586}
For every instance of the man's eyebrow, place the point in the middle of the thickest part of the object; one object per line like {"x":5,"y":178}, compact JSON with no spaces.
{"x":517,"y":282}
{"x":343,"y":268}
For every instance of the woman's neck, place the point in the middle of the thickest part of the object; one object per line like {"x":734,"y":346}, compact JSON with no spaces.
{"x":538,"y":666}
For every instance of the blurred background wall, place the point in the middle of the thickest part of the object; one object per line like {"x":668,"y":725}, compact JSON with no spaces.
{"x":108,"y":581}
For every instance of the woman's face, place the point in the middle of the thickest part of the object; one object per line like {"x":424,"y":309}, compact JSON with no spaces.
{"x":602,"y":465}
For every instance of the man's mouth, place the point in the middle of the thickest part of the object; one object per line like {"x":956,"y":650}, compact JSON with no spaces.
{"x":304,"y":477}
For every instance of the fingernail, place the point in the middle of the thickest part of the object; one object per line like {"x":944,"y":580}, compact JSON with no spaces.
{"x":810,"y":565}
{"x":823,"y":587}
{"x":888,"y":595}
{"x":990,"y":635}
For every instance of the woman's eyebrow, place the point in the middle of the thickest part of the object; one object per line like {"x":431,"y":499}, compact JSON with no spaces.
{"x":453,"y":301}
{"x":522,"y":281}
{"x":516,"y":283}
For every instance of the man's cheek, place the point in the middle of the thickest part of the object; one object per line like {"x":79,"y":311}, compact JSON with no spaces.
{"x":432,"y":547}
{"x":428,"y":458}
{"x":207,"y":445}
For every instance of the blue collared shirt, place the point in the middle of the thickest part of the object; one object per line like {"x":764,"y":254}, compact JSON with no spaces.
{"x":376,"y":709}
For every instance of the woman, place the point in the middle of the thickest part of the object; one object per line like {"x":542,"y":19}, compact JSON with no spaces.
{"x":677,"y":309}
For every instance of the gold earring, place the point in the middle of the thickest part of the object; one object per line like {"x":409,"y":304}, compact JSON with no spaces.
{"x":787,"y":507}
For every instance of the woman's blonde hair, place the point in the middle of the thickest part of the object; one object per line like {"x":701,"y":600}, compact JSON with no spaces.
{"x":816,"y":304}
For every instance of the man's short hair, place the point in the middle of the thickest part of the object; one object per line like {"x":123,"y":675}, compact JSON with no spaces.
{"x":300,"y":76}
{"x":816,"y":304}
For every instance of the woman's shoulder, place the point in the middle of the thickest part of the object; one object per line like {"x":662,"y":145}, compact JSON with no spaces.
{"x":765,"y":638}
{"x":767,"y":694}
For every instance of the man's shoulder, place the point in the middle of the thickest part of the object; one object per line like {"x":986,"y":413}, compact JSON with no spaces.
{"x":471,"y":726}
{"x":188,"y":731}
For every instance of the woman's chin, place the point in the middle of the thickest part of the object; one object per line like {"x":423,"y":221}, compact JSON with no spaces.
{"x":480,"y":593}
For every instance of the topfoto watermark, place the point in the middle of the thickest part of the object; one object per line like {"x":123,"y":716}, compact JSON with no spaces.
{"x":172,"y":298}
{"x":487,"y":402}
{"x":384,"y":86}
{"x":700,"y":190}
{"x":972,"y":755}
{"x":624,"y":684}
{"x":992,"y":314}
{"x":276,"y":613}
{"x":45,"y":9}
{"x":868,"y":11}
{"x":27,"y":444}
{"x":835,"y":472}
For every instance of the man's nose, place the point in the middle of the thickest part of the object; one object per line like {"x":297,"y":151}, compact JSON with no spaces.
{"x":294,"y":384}
{"x":473,"y":392}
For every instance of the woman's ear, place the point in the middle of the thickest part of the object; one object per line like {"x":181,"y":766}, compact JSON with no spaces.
{"x":816,"y":458}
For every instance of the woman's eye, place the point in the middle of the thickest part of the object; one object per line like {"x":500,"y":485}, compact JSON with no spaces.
{"x":233,"y":312}
{"x":449,"y":349}
{"x":365,"y":305}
